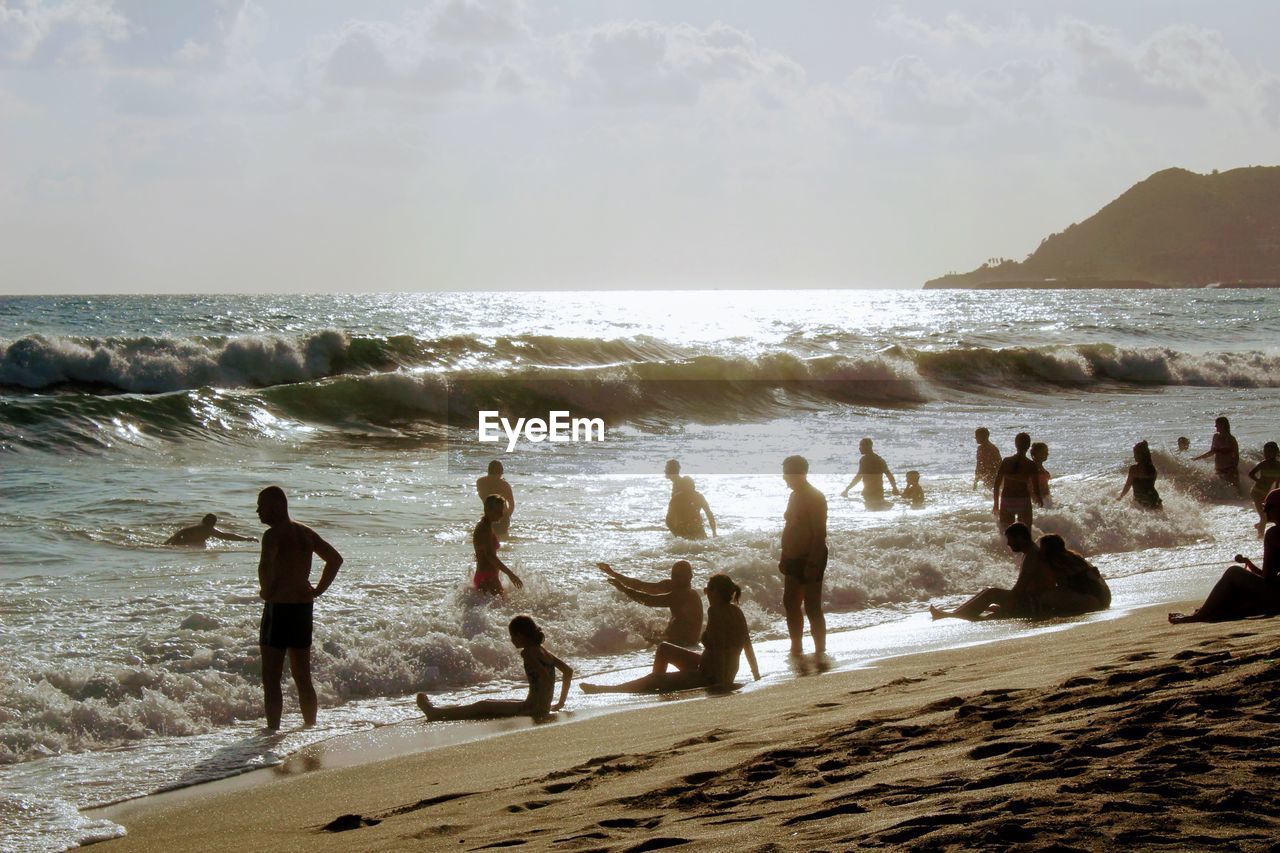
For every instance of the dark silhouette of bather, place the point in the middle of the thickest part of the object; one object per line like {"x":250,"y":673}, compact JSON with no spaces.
{"x":1142,"y":479}
{"x":988,"y":459}
{"x":676,"y":594}
{"x":493,"y":483}
{"x":1246,"y":589}
{"x":872,"y":470}
{"x":724,"y":642}
{"x":913,"y":492}
{"x":1022,"y":601}
{"x":1040,"y":454}
{"x":198,"y":535}
{"x":539,"y":667}
{"x":489,"y":568}
{"x":1265,"y":476}
{"x":1017,"y":483}
{"x":1079,"y":586}
{"x":1225,"y":451}
{"x":284,"y":584}
{"x":687,"y":505}
{"x":804,"y":556}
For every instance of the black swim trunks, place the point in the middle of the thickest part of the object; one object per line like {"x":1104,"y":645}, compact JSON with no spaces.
{"x":795,"y":567}
{"x":285,"y":626}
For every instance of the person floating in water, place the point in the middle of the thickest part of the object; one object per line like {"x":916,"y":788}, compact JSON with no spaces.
{"x":724,"y":642}
{"x":676,"y":594}
{"x":284,"y":584}
{"x":1023,"y":601}
{"x":198,"y":535}
{"x":1079,"y":586}
{"x":1016,"y":484}
{"x":804,"y":556}
{"x":539,"y":667}
{"x":988,"y":459}
{"x":687,"y":505}
{"x":1184,"y":444}
{"x":1225,"y":451}
{"x":1265,"y":476}
{"x":1142,"y":479}
{"x":871,"y":473}
{"x":913,"y":492}
{"x":1246,"y":590}
{"x":489,"y":568}
{"x":494,"y":483}
{"x":1039,"y":454}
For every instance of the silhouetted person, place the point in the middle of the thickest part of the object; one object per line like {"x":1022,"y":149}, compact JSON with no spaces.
{"x":1225,"y":451}
{"x":988,"y":458}
{"x":1142,"y":479}
{"x":804,"y":556}
{"x":539,"y":667}
{"x":493,"y":483}
{"x":284,"y":580}
{"x":676,"y":594}
{"x":1265,"y":476}
{"x":1017,"y":483}
{"x":913,"y":492}
{"x":684,"y":510}
{"x":871,"y":473}
{"x":489,"y":568}
{"x":1079,"y":586}
{"x":197,"y":535}
{"x":1034,"y":579}
{"x":1246,"y":590}
{"x":1184,"y":444}
{"x":1039,"y":453}
{"x":724,"y":642}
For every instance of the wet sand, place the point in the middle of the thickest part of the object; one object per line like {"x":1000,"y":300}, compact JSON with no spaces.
{"x":1123,"y":732}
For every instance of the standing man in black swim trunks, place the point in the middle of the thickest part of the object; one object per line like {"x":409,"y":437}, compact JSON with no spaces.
{"x":1017,"y":484}
{"x":284,"y":577}
{"x":804,"y":556}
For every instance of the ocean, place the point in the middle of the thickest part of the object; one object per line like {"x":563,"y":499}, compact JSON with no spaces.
{"x":131,"y":667}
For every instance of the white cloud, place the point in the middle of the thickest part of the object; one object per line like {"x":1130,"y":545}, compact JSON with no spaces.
{"x":71,"y":31}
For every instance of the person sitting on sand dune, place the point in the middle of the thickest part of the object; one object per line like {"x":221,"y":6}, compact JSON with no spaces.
{"x":1080,"y":587}
{"x":724,"y":642}
{"x":1246,"y":590}
{"x":677,"y":594}
{"x":539,"y":666}
{"x":1034,"y":579}
{"x":198,"y":535}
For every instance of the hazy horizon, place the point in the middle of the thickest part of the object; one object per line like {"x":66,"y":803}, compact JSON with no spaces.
{"x":502,"y":145}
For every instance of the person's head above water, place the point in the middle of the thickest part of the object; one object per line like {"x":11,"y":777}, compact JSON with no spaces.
{"x":495,"y":468}
{"x":672,"y":468}
{"x":682,"y":573}
{"x":1039,"y":451}
{"x":1222,"y":425}
{"x":1184,"y":443}
{"x":721,"y":589}
{"x":1142,"y":453}
{"x":1022,"y":442}
{"x":982,"y":434}
{"x":210,"y":520}
{"x":913,"y":478}
{"x":494,"y":507}
{"x":1018,"y":536}
{"x":795,"y":470}
{"x":273,"y":506}
{"x":864,"y":446}
{"x":1270,"y":451}
{"x":525,"y":632}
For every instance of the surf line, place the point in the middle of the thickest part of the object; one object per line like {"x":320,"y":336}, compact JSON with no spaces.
{"x":558,"y":427}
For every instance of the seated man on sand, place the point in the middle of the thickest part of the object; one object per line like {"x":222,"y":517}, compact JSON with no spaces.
{"x":724,"y":642}
{"x":1246,"y":590}
{"x":198,"y":535}
{"x":677,"y":594}
{"x":1034,"y":579}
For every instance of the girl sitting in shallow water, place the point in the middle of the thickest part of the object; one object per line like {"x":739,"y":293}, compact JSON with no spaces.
{"x":724,"y":641}
{"x":539,"y":665}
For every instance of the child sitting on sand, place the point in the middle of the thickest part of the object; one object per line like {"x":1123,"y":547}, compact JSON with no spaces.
{"x":724,"y":641}
{"x":539,"y":666}
{"x":912,"y":493}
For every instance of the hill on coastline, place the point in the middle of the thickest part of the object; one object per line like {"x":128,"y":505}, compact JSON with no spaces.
{"x":1175,"y":229}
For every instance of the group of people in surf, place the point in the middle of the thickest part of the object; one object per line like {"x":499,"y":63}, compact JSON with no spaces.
{"x":1052,"y":579}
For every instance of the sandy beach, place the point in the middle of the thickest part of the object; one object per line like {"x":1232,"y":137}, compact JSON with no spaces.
{"x":1125,"y":732}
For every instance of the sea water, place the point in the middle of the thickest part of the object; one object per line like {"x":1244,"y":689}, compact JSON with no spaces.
{"x":130,"y":667}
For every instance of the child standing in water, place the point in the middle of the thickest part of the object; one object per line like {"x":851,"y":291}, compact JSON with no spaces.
{"x":539,"y":666}
{"x":1265,"y":476}
{"x":912,"y":493}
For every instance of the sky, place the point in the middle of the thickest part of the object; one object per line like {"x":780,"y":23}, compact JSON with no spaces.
{"x":149,"y":146}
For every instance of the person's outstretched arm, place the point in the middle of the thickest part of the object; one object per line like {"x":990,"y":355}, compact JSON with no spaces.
{"x":332,"y":562}
{"x":231,"y":537}
{"x":655,"y":587}
{"x":566,"y":678}
{"x":1206,"y":454}
{"x":857,"y":478}
{"x":646,"y":598}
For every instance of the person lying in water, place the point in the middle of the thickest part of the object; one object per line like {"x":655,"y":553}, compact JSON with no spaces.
{"x":724,"y":642}
{"x":1246,"y":590}
{"x":539,"y":666}
{"x":1034,"y":579}
{"x":198,"y":535}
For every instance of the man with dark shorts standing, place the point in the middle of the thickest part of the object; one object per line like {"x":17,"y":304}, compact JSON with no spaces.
{"x":284,"y":578}
{"x":1017,"y":483}
{"x":804,"y":556}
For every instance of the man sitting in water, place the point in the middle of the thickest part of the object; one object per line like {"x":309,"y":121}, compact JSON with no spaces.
{"x":198,"y":535}
{"x":1034,"y":579}
{"x":677,"y":594}
{"x":872,"y":470}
